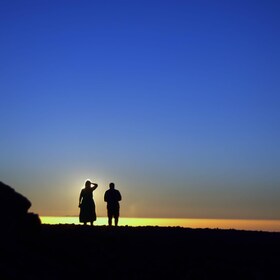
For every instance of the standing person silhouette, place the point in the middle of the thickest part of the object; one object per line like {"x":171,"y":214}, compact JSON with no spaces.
{"x":112,"y":197}
{"x":86,"y":203}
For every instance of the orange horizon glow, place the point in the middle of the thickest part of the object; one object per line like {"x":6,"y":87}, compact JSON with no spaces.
{"x":238,"y":224}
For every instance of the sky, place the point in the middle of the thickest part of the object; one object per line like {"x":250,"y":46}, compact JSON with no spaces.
{"x":176,"y":102}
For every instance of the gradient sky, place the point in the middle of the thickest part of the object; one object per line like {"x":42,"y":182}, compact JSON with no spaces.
{"x":177,"y":102}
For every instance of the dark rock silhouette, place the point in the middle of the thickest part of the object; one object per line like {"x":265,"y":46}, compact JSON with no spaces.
{"x":14,"y":215}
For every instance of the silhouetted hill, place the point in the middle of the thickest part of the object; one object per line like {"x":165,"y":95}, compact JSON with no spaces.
{"x":14,"y":215}
{"x":78,"y":252}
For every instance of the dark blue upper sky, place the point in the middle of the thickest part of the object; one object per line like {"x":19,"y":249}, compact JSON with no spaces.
{"x":175,"y":101}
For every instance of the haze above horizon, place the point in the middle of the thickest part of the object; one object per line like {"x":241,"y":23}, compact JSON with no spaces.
{"x":177,"y":102}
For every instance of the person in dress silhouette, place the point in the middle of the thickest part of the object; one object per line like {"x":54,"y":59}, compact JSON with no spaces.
{"x":86,"y":203}
{"x":112,"y":197}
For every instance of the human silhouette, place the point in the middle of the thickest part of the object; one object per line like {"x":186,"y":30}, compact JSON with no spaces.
{"x":112,"y":197}
{"x":86,"y":203}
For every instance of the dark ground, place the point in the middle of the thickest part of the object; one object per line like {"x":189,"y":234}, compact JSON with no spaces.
{"x":78,"y":252}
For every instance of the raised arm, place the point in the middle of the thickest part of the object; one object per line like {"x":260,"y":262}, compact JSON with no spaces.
{"x":94,"y":186}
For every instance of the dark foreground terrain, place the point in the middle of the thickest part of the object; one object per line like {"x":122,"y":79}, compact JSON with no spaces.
{"x":78,"y":252}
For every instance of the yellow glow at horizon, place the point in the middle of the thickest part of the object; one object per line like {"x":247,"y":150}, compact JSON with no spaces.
{"x":261,"y":225}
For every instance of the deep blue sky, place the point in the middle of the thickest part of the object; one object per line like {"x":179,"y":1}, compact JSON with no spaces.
{"x":177,"y":102}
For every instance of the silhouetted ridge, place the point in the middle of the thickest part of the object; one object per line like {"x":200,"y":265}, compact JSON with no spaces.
{"x":14,"y":215}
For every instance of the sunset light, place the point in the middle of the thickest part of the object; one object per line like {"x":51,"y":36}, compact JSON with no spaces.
{"x":167,"y":101}
{"x":259,"y":225}
{"x":139,"y":139}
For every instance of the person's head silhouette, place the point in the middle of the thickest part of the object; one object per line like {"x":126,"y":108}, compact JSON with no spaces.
{"x":88,"y":184}
{"x":112,"y":186}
